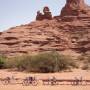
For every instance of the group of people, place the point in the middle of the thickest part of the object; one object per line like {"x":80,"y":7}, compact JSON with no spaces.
{"x":75,"y":81}
{"x":52,"y":80}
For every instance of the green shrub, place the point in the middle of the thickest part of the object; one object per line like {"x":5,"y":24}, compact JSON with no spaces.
{"x":85,"y":58}
{"x":87,"y":63}
{"x":42,"y":62}
{"x":19,"y":62}
{"x":23,"y":62}
{"x":2,"y":62}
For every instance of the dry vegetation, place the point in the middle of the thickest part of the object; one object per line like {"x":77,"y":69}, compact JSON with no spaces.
{"x":43,"y":62}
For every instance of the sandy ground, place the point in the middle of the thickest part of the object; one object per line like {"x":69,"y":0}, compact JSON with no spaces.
{"x":62,"y":75}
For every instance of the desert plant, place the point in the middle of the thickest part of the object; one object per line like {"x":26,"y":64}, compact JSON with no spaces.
{"x":85,"y":58}
{"x":42,"y":62}
{"x":49,"y":62}
{"x":19,"y":62}
{"x":2,"y":61}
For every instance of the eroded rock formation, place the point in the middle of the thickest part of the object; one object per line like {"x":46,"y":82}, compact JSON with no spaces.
{"x":68,"y":37}
{"x":47,"y":14}
{"x":75,"y":8}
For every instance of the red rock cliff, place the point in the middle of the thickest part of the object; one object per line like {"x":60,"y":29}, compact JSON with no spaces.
{"x":75,"y":8}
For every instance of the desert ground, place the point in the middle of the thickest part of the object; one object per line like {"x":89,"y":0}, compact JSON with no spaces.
{"x":62,"y":75}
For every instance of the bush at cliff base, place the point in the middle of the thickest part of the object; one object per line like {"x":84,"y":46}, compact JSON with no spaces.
{"x":42,"y":62}
{"x":2,"y":61}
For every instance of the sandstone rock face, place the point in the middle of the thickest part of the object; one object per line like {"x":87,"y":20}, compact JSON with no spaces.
{"x":0,"y":33}
{"x":47,"y":35}
{"x":75,"y":8}
{"x":68,"y":37}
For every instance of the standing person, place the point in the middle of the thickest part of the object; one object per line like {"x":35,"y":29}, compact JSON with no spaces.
{"x":53,"y":80}
{"x":76,"y":81}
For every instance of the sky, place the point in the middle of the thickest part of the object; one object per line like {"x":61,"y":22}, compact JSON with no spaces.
{"x":17,"y":12}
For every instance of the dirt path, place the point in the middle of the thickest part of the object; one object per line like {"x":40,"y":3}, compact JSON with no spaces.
{"x":64,"y":75}
{"x":19,"y":87}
